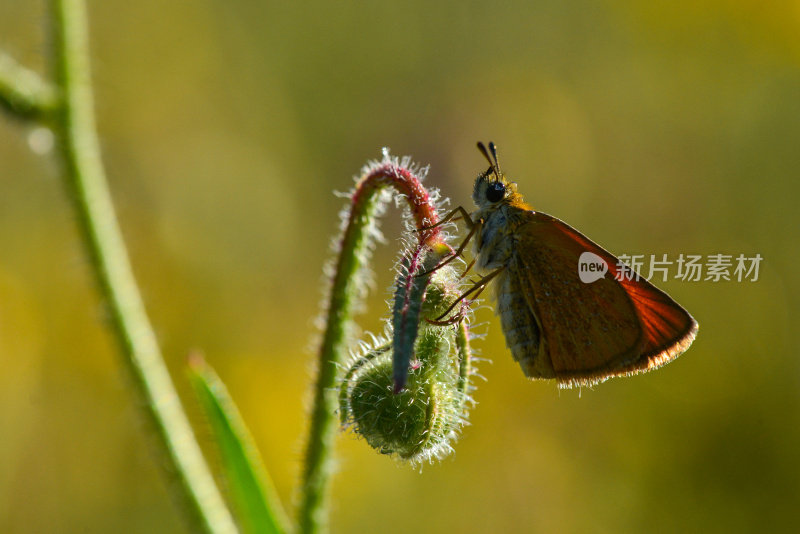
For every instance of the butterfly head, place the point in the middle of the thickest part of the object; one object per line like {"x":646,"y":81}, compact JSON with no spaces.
{"x":492,"y":189}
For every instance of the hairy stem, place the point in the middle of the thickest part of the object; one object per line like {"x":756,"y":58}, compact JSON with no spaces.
{"x":79,"y":150}
{"x":312,"y":513}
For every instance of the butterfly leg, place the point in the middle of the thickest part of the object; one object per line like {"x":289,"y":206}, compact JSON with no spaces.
{"x":460,"y":315}
{"x":446,"y":322}
{"x":473,"y":229}
{"x":451,"y":217}
{"x":479,"y":286}
{"x":469,"y":266}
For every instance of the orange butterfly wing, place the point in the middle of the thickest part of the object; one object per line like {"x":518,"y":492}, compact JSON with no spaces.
{"x":589,"y":331}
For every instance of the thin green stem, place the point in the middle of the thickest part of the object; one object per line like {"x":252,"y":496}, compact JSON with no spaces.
{"x":79,"y":150}
{"x":23,"y":92}
{"x":312,"y":512}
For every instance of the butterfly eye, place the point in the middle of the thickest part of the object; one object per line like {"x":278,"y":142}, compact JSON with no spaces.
{"x":495,"y":192}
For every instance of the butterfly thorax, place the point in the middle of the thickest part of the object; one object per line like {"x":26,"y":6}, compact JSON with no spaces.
{"x":494,"y":244}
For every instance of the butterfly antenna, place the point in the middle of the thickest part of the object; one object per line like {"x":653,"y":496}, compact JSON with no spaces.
{"x":485,"y":153}
{"x":496,"y":165}
{"x":492,"y":159}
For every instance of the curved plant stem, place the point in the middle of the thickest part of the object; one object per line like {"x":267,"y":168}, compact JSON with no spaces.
{"x":312,"y":512}
{"x":79,"y":150}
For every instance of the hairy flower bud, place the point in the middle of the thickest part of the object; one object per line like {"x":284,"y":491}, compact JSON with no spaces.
{"x":417,"y":422}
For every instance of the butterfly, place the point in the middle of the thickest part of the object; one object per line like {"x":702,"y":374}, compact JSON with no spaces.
{"x":558,"y":324}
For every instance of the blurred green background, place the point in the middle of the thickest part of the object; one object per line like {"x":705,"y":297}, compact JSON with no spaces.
{"x":653,"y":127}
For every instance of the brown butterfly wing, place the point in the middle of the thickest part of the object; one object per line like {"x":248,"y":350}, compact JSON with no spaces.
{"x":590,"y":332}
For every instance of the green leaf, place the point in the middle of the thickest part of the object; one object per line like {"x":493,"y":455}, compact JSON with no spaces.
{"x":254,"y":497}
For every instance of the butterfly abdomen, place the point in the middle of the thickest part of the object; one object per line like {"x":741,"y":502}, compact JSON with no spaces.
{"x":520,"y":328}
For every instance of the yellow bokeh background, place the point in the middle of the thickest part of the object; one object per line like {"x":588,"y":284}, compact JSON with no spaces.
{"x":653,"y":127}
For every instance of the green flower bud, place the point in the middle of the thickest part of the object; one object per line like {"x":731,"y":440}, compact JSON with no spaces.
{"x":419,"y":422}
